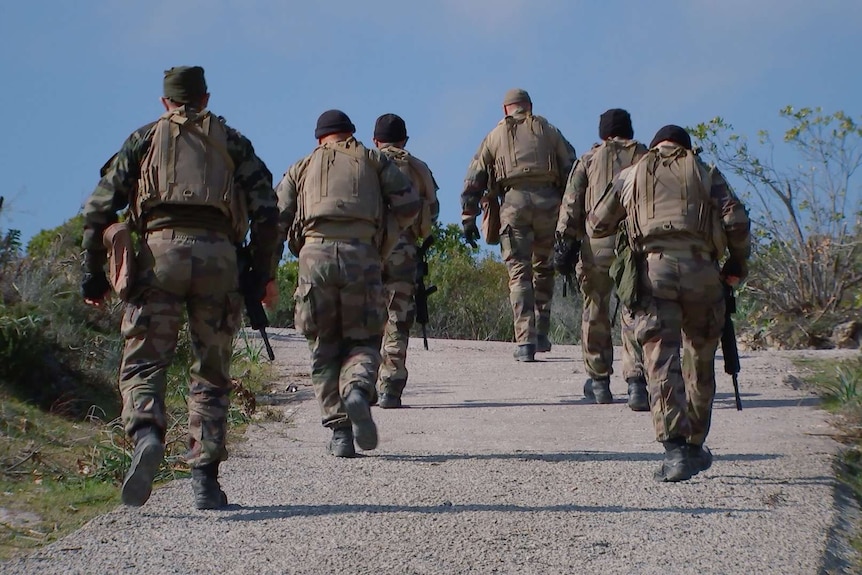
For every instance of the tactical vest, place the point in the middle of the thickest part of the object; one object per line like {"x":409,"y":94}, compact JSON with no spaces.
{"x":188,"y":164}
{"x":422,"y":181}
{"x":672,"y":199}
{"x":609,"y":159}
{"x":526,"y":150}
{"x":341,"y":182}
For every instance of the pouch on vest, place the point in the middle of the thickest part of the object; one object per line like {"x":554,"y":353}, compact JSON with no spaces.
{"x":490,"y":204}
{"x":625,"y":270}
{"x":188,"y":164}
{"x":117,"y":238}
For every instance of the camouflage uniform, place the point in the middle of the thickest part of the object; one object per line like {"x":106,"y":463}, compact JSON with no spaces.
{"x":187,"y":262}
{"x":399,"y":280}
{"x":585,"y":184}
{"x":528,"y":217}
{"x":681,"y":302}
{"x":339,"y":296}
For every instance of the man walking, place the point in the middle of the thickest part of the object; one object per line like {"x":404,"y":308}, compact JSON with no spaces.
{"x":587,"y":182}
{"x":343,"y":207}
{"x":523,"y":162}
{"x":192,"y":185}
{"x":399,"y":269}
{"x":681,"y":217}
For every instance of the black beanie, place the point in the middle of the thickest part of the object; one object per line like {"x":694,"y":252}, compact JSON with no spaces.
{"x":674,"y":134}
{"x":333,"y":122}
{"x":616,"y":122}
{"x":185,"y":84}
{"x":390,"y":128}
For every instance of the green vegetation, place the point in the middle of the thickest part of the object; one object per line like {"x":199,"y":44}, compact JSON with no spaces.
{"x":841,"y":388}
{"x":806,"y":212}
{"x":63,"y":451}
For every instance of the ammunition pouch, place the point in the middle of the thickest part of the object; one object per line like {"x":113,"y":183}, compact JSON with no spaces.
{"x":117,"y":238}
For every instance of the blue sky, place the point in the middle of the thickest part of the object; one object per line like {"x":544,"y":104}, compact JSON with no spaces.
{"x":78,"y":77}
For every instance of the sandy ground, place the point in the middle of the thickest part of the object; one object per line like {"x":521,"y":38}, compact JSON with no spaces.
{"x":496,"y":467}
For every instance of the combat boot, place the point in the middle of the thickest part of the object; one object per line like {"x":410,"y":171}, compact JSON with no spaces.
{"x":700,"y":458}
{"x":341,"y":444}
{"x":525,"y":352}
{"x":359,"y":411}
{"x":676,"y":465}
{"x":638,"y":396}
{"x":389,"y":401}
{"x":149,"y":451}
{"x":205,"y":485}
{"x":598,"y":390}
{"x":543,"y":344}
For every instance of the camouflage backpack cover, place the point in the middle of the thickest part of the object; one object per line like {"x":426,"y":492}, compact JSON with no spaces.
{"x":188,"y":164}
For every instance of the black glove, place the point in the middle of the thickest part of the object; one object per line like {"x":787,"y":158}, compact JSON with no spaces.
{"x":566,"y":253}
{"x":734,"y":267}
{"x":94,"y":261}
{"x":95,"y":285}
{"x":471,"y":232}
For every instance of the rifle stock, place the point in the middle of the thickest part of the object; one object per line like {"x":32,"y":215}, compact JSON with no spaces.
{"x":423,"y":292}
{"x":252,"y":292}
{"x":728,"y":343}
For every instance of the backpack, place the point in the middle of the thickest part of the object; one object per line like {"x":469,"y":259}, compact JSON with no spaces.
{"x":188,"y":164}
{"x":671,"y":198}
{"x":341,"y":182}
{"x":420,"y":176}
{"x":609,"y":159}
{"x":526,"y":150}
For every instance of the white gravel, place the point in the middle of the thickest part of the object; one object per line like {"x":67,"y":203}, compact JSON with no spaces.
{"x":496,"y":467}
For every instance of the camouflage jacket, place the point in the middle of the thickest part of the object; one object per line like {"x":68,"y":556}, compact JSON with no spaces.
{"x":120,"y":178}
{"x":426,"y":186}
{"x":480,"y":174}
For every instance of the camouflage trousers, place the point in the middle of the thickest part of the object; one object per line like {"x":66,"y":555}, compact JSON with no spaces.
{"x":340,"y":311}
{"x":528,"y":218}
{"x":596,"y":340}
{"x":683,"y":308}
{"x":399,"y":276}
{"x":192,"y":271}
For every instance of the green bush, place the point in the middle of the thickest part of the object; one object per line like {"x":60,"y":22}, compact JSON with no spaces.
{"x":286,"y":279}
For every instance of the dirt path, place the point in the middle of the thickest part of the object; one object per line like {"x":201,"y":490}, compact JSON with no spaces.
{"x":497,"y":467}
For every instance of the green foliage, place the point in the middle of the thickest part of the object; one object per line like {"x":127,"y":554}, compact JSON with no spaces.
{"x":806,"y":215}
{"x":286,"y":279}
{"x":472,"y":301}
{"x":62,"y":241}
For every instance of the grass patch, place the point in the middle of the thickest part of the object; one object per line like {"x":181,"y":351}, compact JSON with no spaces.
{"x":57,"y":473}
{"x":840,"y":385}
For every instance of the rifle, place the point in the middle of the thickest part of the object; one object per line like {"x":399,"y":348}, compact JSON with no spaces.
{"x":423,"y":292}
{"x":728,"y":343}
{"x":252,"y":291}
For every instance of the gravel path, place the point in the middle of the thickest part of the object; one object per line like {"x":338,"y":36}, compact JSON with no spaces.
{"x":496,"y":467}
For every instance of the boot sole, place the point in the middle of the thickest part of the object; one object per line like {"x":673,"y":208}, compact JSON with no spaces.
{"x":138,"y":484}
{"x":638,"y":406}
{"x":364,"y":429}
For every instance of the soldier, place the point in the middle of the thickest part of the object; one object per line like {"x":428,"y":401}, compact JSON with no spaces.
{"x":342,"y":208}
{"x":399,"y":269}
{"x":525,"y":161}
{"x":587,"y":182}
{"x":191,"y":184}
{"x":680,"y":217}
